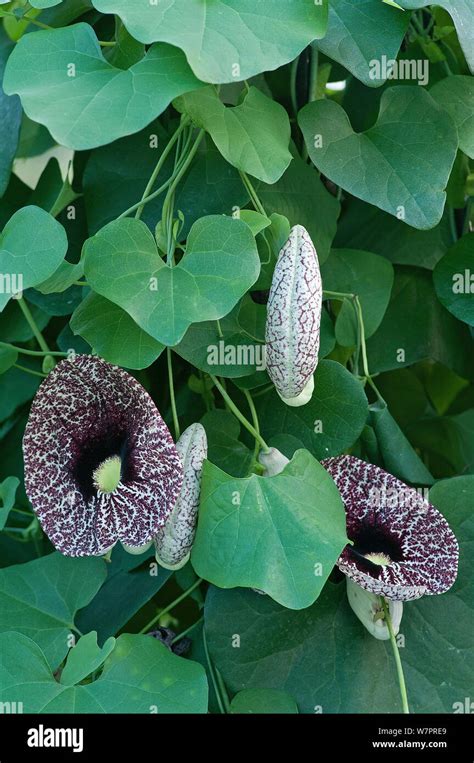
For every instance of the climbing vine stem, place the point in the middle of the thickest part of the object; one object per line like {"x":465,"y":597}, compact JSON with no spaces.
{"x":396,"y":652}
{"x":177,"y":431}
{"x":248,"y":426}
{"x":32,"y":324}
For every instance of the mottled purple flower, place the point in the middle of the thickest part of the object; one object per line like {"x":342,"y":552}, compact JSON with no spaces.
{"x":293,"y":319}
{"x":403,"y":547}
{"x":100,"y":463}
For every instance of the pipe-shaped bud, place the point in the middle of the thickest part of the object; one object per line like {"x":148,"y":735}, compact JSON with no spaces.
{"x":174,"y":540}
{"x":293,"y":319}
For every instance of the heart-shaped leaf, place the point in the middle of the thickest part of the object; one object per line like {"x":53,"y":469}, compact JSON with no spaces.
{"x":113,"y":334}
{"x":401,"y":164}
{"x":280,"y":534}
{"x":221,"y":262}
{"x":252,"y":136}
{"x":365,"y":274}
{"x":40,"y":599}
{"x":32,"y":246}
{"x":362,"y":32}
{"x":225,"y":42}
{"x":139,"y":676}
{"x":99,"y":103}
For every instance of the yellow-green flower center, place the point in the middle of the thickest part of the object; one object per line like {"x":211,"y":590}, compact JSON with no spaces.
{"x":383,"y":560}
{"x":107,"y":475}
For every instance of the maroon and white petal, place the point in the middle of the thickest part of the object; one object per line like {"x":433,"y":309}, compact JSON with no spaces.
{"x":386,"y":517}
{"x":174,"y":540}
{"x":294,"y":317}
{"x":85,"y":411}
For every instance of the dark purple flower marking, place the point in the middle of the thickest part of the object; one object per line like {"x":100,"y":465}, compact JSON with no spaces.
{"x":88,"y":413}
{"x":403,"y":547}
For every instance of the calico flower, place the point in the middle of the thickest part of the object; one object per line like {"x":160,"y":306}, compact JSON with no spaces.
{"x":175,"y":538}
{"x":293,"y":319}
{"x":403,"y":548}
{"x":100,"y":463}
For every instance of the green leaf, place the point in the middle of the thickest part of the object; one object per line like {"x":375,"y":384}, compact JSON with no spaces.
{"x":461,"y":12}
{"x":14,"y":326}
{"x":52,"y":193}
{"x":131,"y":581}
{"x":329,"y":663}
{"x":8,"y":357}
{"x":62,"y":278}
{"x":365,"y":227}
{"x":150,"y":679}
{"x":279,"y":534}
{"x":365,"y":274}
{"x":40,"y":599}
{"x":99,"y":103}
{"x":84,"y":658}
{"x":398,"y":455}
{"x":220,"y":264}
{"x":10,"y":118}
{"x":113,"y":334}
{"x":449,"y":441}
{"x":116,"y":175}
{"x":453,"y":278}
{"x":44,"y":3}
{"x":32,"y":246}
{"x":301,"y":196}
{"x":401,"y":164}
{"x":16,"y":388}
{"x":332,"y":420}
{"x":8,"y":490}
{"x":223,"y":42}
{"x":252,"y":136}
{"x":454,"y":94}
{"x":224,"y":448}
{"x":416,"y":326}
{"x":256,"y":221}
{"x":261,"y":701}
{"x":360,"y":33}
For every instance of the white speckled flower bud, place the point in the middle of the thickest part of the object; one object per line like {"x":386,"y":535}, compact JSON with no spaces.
{"x":368,"y":608}
{"x":174,"y":540}
{"x":293,"y":319}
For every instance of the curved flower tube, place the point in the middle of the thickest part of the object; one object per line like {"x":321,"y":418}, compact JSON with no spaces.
{"x":403,"y":548}
{"x":368,"y":608}
{"x":174,"y":540}
{"x":274,"y":462}
{"x":100,"y":463}
{"x":293,"y":319}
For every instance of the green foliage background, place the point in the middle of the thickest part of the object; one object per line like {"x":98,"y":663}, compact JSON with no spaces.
{"x":231,"y":110}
